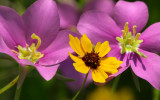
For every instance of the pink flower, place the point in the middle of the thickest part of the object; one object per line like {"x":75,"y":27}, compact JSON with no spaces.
{"x":34,"y":38}
{"x":69,"y":15}
{"x":135,"y":49}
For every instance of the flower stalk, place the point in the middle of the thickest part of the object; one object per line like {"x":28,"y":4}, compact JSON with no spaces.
{"x":115,"y":84}
{"x":156,"y":94}
{"x":74,"y":98}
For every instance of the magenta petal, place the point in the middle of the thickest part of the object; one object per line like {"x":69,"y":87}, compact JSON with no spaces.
{"x":68,"y":70}
{"x":136,"y":13}
{"x":151,"y":38}
{"x":100,"y":5}
{"x":47,"y":72}
{"x":5,"y":49}
{"x":69,"y":16}
{"x":11,"y":27}
{"x":42,"y":19}
{"x":58,"y":50}
{"x":99,"y":27}
{"x":147,"y":68}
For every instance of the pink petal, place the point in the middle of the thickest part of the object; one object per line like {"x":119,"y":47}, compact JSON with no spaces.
{"x":58,"y":50}
{"x":69,"y":16}
{"x":42,"y":19}
{"x":136,"y":13}
{"x":47,"y":72}
{"x":151,"y":38}
{"x":11,"y":27}
{"x":99,"y":27}
{"x":100,"y":5}
{"x":147,"y":68}
{"x":115,"y":52}
{"x":68,"y":70}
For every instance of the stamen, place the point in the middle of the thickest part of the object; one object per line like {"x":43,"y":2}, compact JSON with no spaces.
{"x":34,"y":36}
{"x":30,"y":52}
{"x":137,"y":36}
{"x":126,"y":28}
{"x":134,"y":30}
{"x":124,"y":34}
{"x":129,"y":41}
{"x":14,"y":51}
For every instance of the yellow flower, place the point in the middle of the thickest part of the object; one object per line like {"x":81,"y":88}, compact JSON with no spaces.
{"x":105,"y":93}
{"x":93,"y":59}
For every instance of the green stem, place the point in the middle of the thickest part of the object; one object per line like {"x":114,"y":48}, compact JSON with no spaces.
{"x":114,"y":86}
{"x":156,"y":95}
{"x":74,"y":98}
{"x":17,"y":94}
{"x":23,"y":73}
{"x":9,"y":85}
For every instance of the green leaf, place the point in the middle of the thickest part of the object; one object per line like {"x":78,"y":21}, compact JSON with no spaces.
{"x":136,"y":81}
{"x":63,"y":78}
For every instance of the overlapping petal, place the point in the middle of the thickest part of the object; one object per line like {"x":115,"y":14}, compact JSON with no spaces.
{"x":68,"y":70}
{"x":68,"y":15}
{"x":76,"y":45}
{"x":99,"y":75}
{"x":42,"y":19}
{"x":99,"y":27}
{"x":151,"y":38}
{"x":103,"y":49}
{"x":100,"y":5}
{"x":135,"y":13}
{"x":86,"y":44}
{"x":58,"y":50}
{"x":47,"y":72}
{"x":147,"y":68}
{"x":11,"y":27}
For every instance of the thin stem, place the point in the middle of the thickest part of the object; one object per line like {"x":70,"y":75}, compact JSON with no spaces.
{"x":9,"y":85}
{"x":74,"y":98}
{"x":156,"y":95}
{"x":23,"y":73}
{"x":114,"y":86}
{"x":17,"y":94}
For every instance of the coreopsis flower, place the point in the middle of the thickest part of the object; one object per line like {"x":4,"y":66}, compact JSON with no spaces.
{"x":128,"y":44}
{"x":69,"y":16}
{"x":93,"y":59}
{"x":34,"y":38}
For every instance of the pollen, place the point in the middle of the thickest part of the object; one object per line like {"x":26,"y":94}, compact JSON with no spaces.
{"x":30,"y":52}
{"x":129,"y":42}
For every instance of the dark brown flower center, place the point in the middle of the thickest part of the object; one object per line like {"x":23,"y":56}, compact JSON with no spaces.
{"x":91,"y":60}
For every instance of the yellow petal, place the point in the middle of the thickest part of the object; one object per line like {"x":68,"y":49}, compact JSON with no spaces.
{"x":110,"y":64}
{"x":98,"y":76}
{"x":97,"y":47}
{"x":81,"y":67}
{"x":104,"y":49}
{"x":76,"y":45}
{"x":75,"y":58}
{"x":109,"y":69}
{"x":86,"y":43}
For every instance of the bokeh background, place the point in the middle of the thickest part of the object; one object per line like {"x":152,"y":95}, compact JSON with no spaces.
{"x":36,"y":88}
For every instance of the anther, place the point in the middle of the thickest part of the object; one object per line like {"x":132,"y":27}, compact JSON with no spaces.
{"x":126,"y":28}
{"x":137,"y":36}
{"x":134,"y":30}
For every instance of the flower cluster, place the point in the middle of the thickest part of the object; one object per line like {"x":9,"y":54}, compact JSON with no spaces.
{"x":41,"y":37}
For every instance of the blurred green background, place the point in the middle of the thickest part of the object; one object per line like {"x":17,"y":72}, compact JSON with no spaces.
{"x":36,"y":88}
